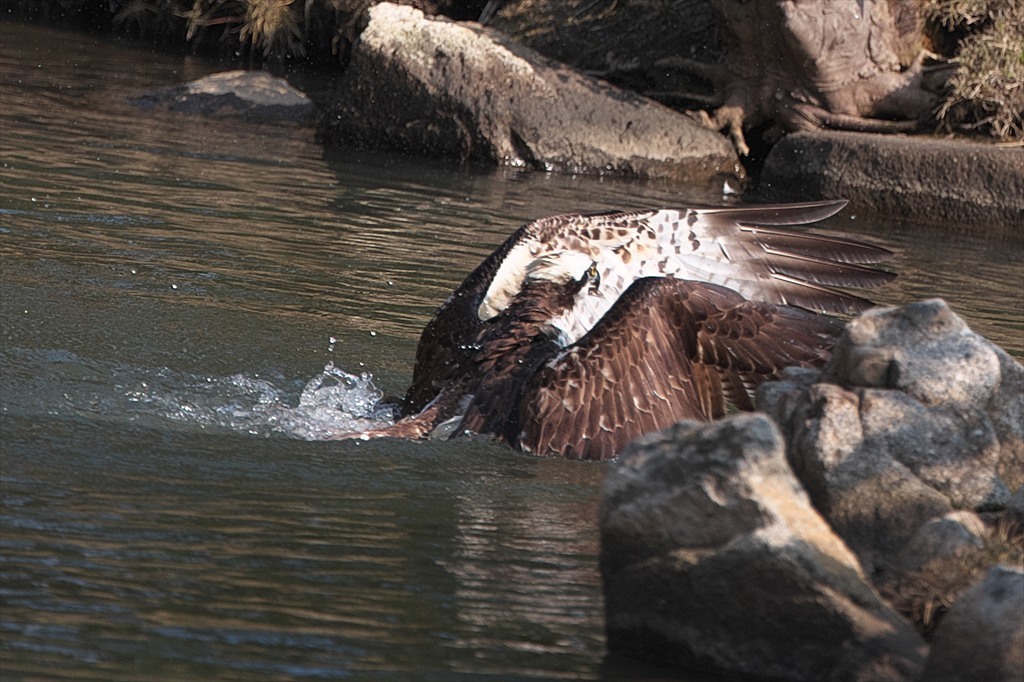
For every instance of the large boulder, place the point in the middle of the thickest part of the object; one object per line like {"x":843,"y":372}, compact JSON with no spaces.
{"x":915,"y":416}
{"x":437,"y":87}
{"x":713,"y":557}
{"x":982,"y":636}
{"x":947,"y":182}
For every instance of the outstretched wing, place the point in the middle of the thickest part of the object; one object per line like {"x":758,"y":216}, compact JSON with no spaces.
{"x":739,"y":248}
{"x":667,"y":350}
{"x":736,"y":247}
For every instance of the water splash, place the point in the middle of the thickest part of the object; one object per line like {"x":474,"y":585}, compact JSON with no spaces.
{"x":335,"y":402}
{"x":55,"y":382}
{"x":331,"y":404}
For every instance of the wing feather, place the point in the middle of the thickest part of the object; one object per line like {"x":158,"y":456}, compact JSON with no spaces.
{"x":676,"y":350}
{"x":817,"y":246}
{"x":737,"y":247}
{"x":797,"y":213}
{"x":827,"y":273}
{"x":784,"y":267}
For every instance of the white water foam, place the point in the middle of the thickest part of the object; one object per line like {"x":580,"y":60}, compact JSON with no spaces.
{"x":332,"y":404}
{"x":336,"y":402}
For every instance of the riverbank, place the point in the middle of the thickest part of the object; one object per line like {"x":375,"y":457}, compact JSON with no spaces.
{"x":429,"y":85}
{"x":524,"y":109}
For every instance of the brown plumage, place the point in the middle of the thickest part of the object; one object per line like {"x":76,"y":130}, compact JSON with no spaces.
{"x":667,"y":350}
{"x":728,"y":246}
{"x":581,"y":333}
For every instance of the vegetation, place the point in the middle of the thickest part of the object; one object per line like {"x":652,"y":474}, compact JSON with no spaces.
{"x":985,"y":92}
{"x":276,"y":30}
{"x":925,"y":596}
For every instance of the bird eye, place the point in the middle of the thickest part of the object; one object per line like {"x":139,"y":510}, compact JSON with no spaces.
{"x":594,"y":275}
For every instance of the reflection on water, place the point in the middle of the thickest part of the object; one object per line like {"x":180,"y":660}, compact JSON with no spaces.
{"x":215,"y":556}
{"x":186,"y":301}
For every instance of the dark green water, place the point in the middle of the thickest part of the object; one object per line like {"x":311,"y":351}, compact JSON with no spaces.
{"x":179,"y":299}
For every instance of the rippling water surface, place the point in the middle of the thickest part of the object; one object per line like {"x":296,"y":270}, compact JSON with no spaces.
{"x":188,"y":304}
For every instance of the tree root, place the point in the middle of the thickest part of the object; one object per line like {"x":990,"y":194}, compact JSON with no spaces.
{"x":810,"y":117}
{"x":729,"y":118}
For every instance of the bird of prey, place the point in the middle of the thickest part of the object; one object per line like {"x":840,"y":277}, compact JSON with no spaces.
{"x":583,"y":331}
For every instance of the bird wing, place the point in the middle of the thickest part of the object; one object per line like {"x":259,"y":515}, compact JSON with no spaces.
{"x":737,"y":247}
{"x":667,"y":350}
{"x":445,"y":347}
{"x":741,"y":248}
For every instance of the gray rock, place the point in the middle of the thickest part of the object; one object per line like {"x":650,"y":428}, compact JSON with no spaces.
{"x":1006,"y":408}
{"x":436,"y":87}
{"x":713,"y":557}
{"x":982,"y":635}
{"x":258,"y":87}
{"x":251,"y":95}
{"x":946,"y":182}
{"x":949,"y":535}
{"x":914,"y":416}
{"x":923,"y":349}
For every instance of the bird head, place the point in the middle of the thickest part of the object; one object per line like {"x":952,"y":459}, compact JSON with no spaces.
{"x":564,"y":267}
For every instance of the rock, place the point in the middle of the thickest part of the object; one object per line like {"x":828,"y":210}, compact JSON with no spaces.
{"x":436,"y":87}
{"x":252,"y":95}
{"x":1015,"y":507}
{"x":713,"y":557}
{"x":982,"y":635}
{"x":946,"y":536}
{"x":923,"y":179}
{"x":925,"y":350}
{"x":1006,"y":408}
{"x":914,"y":416}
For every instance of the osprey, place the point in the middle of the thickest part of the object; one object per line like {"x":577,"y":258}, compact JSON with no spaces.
{"x":583,"y":331}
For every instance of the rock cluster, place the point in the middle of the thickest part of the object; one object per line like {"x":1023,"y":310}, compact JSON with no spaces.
{"x":776,"y":549}
{"x":712,"y":555}
{"x":915,"y":416}
{"x":437,"y":87}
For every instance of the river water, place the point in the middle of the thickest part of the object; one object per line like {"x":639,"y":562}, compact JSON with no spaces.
{"x":188,"y":304}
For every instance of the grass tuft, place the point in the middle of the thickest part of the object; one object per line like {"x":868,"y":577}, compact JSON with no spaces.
{"x":925,"y":596}
{"x":985,"y":93}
